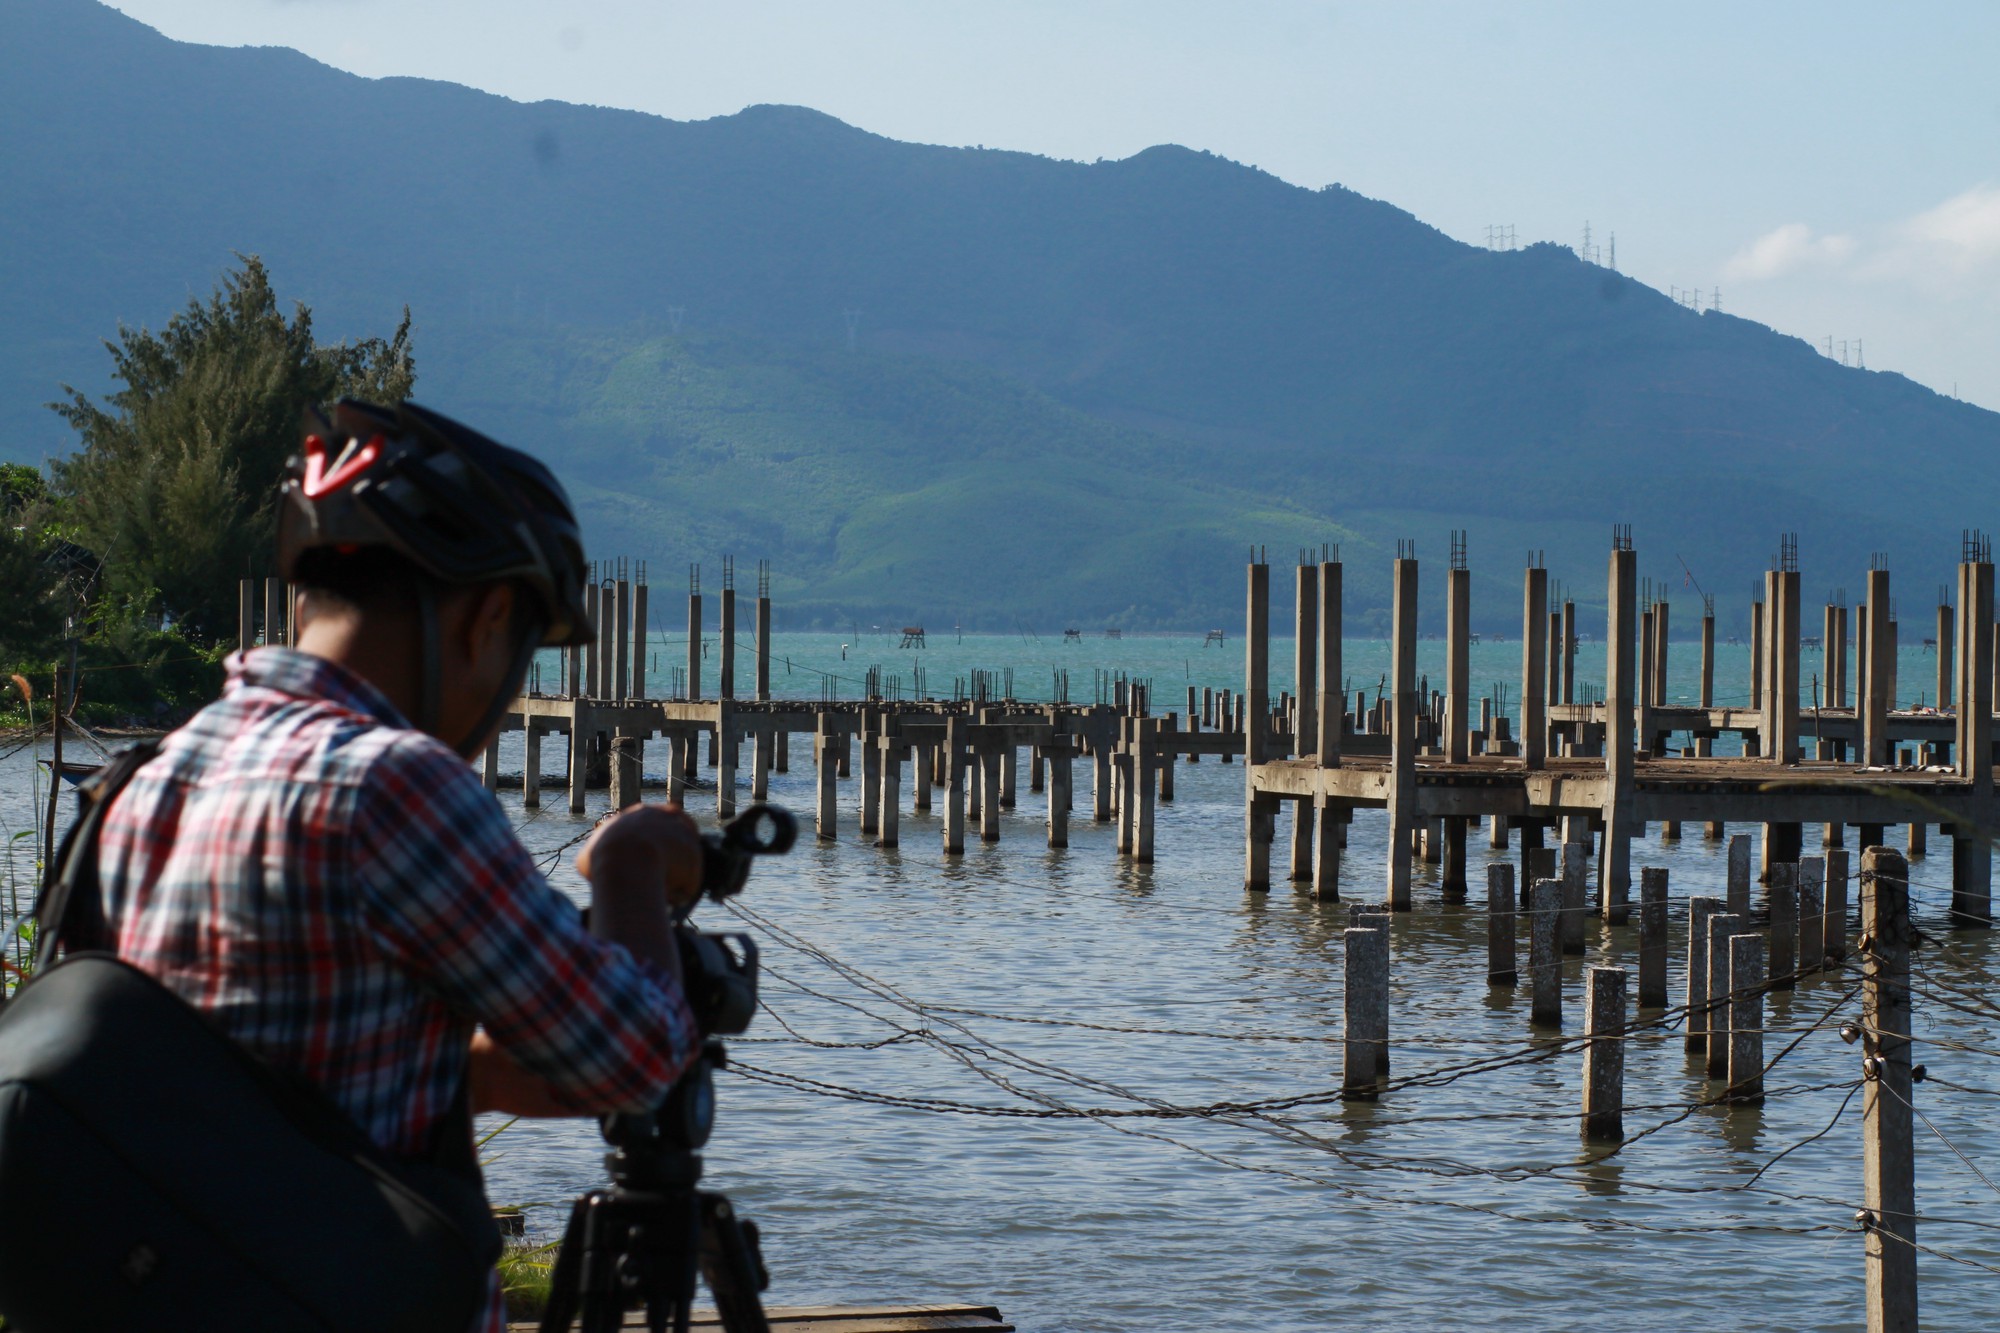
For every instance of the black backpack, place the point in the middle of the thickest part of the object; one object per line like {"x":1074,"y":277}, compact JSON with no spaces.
{"x":156,"y":1175}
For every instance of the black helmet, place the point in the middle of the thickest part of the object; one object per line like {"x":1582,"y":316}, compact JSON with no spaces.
{"x":461,"y":507}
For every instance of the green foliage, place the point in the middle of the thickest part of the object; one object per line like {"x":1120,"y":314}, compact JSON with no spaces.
{"x":176,"y":481}
{"x":21,"y":487}
{"x":31,"y":616}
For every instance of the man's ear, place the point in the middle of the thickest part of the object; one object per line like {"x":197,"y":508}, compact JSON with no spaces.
{"x":489,"y":621}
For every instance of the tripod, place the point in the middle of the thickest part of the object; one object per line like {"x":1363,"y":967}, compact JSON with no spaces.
{"x":639,"y":1243}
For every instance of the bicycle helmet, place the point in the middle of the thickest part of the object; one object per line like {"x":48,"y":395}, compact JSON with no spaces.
{"x":461,"y":507}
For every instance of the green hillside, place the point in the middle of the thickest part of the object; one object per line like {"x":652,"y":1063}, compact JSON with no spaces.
{"x":1074,"y":391}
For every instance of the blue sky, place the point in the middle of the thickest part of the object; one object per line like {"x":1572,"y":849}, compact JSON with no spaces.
{"x":1832,"y":168}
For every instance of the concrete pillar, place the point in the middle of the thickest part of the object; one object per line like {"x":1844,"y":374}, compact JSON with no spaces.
{"x":1745,"y":1070}
{"x":1458,"y":669}
{"x":1875,"y":708}
{"x":1326,"y":851}
{"x":989,"y":796}
{"x":1100,"y":779}
{"x":763,"y":647}
{"x":1330,"y":710}
{"x":843,"y":757}
{"x":1653,"y":938}
{"x":1545,"y":953}
{"x":826,"y":774}
{"x":1660,"y":641}
{"x":246,"y":615}
{"x":1057,"y":753}
{"x":1604,"y":1054}
{"x":871,"y":773}
{"x":627,"y":765}
{"x":679,"y":742}
{"x":1451,"y":880}
{"x":1945,"y":621}
{"x":1917,"y":846}
{"x":489,"y":765}
{"x":694,"y":648}
{"x":274,"y":613}
{"x":1366,"y":982}
{"x":1305,"y":660}
{"x":782,"y":761}
{"x":1971,"y":881}
{"x":1534,"y":669}
{"x":1973,"y":740}
{"x":1146,"y":734}
{"x":890,"y":804}
{"x":531,"y":765}
{"x":1259,"y":810}
{"x":725,"y":766}
{"x":1036,"y":776}
{"x":1615,"y":866}
{"x":1403,"y":731}
{"x":761,"y":744}
{"x":1839,"y":660}
{"x":1757,"y":655}
{"x":1303,"y":827}
{"x":579,"y":754}
{"x":726,"y":686}
{"x":1695,"y":1035}
{"x":951,"y":763}
{"x":923,"y":775}
{"x":1722,"y":926}
{"x":1569,"y":652}
{"x":1502,"y":968}
{"x":1576,"y":895}
{"x":1008,"y":783}
{"x":1862,"y":653}
{"x":1555,"y":658}
{"x":620,"y":659}
{"x":1781,"y":704}
{"x":1164,"y":756}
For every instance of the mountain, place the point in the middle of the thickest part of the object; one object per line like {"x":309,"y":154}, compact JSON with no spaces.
{"x":950,"y":382}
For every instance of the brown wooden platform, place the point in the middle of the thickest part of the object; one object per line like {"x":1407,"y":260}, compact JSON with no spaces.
{"x":855,"y":1319}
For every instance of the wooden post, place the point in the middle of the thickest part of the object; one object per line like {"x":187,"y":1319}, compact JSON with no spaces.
{"x":1739,"y":873}
{"x":1366,"y":982}
{"x":1784,"y":903}
{"x":1721,"y":925}
{"x":1604,"y":1054}
{"x":1545,"y":953}
{"x":1696,"y":1032}
{"x":1889,"y":1183}
{"x":1653,"y":938}
{"x":1746,"y":1018}
{"x":1812,"y":915}
{"x":1576,"y":901}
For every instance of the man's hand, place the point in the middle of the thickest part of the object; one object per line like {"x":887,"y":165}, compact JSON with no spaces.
{"x":643,"y":864}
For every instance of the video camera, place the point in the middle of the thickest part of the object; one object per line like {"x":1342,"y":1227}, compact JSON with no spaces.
{"x":639,"y":1243}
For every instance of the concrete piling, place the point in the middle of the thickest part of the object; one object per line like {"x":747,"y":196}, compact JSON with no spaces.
{"x":1721,"y":926}
{"x":1502,"y":968}
{"x":951,"y":765}
{"x":1615,"y":863}
{"x":1403,"y":731}
{"x":1057,"y":756}
{"x":1784,"y":905}
{"x":1812,"y":915}
{"x":1653,"y":938}
{"x":1745,"y":1070}
{"x":1576,"y":891}
{"x":1604,"y":1054}
{"x":1545,"y":953}
{"x":826,"y":739}
{"x":1366,"y":985}
{"x":1696,"y":1029}
{"x":1739,"y":873}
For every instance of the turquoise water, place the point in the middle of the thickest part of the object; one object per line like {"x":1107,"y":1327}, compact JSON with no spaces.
{"x":1016,"y":978}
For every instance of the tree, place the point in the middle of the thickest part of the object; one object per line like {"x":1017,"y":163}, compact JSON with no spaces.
{"x":175,"y":485}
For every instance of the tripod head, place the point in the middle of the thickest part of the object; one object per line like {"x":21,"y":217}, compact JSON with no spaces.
{"x":639,"y":1243}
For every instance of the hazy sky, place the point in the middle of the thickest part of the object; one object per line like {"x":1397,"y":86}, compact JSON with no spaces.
{"x":1833,"y":168}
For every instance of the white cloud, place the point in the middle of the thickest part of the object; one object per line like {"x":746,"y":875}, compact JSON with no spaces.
{"x":1784,"y":249}
{"x":1962,"y":233}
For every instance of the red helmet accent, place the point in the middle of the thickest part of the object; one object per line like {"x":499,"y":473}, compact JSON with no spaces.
{"x":317,"y":482}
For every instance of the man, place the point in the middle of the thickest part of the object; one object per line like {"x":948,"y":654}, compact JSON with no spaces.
{"x":312,"y":861}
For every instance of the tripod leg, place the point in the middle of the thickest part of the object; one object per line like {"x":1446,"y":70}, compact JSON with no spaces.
{"x":561,"y":1309}
{"x":733,"y":1266}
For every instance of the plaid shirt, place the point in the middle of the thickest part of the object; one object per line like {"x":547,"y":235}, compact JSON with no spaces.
{"x":342,"y":894}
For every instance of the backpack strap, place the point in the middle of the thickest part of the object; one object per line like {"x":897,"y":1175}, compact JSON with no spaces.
{"x":69,"y":905}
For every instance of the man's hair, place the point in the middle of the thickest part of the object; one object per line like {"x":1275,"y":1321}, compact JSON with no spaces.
{"x":375,"y":578}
